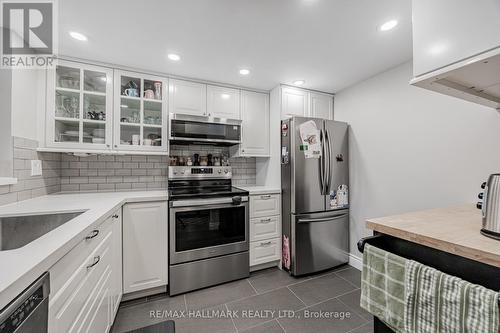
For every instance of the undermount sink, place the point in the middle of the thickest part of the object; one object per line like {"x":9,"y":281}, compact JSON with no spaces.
{"x":17,"y":231}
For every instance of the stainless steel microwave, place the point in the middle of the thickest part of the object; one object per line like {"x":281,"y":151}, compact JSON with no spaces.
{"x":204,"y":130}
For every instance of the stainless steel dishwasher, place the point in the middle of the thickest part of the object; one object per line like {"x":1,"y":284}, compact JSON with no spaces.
{"x":29,"y":311}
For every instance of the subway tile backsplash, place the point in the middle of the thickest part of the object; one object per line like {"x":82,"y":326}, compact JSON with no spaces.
{"x":113,"y":173}
{"x":68,"y":173}
{"x":29,"y":186}
{"x":244,"y":169}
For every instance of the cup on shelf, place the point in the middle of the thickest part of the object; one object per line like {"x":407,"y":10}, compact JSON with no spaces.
{"x":148,"y":142}
{"x":157,"y":94}
{"x":99,"y":133}
{"x":136,"y":138}
{"x":132,"y":92}
{"x":149,"y":94}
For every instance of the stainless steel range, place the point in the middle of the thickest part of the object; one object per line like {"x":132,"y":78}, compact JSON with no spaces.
{"x":208,"y":228}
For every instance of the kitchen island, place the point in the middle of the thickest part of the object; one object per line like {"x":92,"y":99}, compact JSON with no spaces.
{"x":447,"y":239}
{"x":454,"y":230}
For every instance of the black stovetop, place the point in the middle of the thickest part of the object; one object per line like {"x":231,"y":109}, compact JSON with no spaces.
{"x":182,"y":189}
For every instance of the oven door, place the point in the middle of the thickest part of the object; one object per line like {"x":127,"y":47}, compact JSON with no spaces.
{"x":199,"y":129}
{"x":206,"y":228}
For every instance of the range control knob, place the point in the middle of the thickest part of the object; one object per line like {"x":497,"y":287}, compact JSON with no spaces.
{"x":480,"y":196}
{"x":183,"y":171}
{"x":226,"y":170}
{"x":483,"y":185}
{"x":219,"y":171}
{"x":479,"y":205}
{"x":175,"y":172}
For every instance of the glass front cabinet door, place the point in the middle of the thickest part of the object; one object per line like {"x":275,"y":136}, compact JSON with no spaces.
{"x":140,"y":112}
{"x":79,"y":106}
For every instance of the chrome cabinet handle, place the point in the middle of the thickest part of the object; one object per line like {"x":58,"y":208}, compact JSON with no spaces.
{"x":265,"y":243}
{"x":96,"y":261}
{"x":265,"y":221}
{"x":115,"y":216}
{"x":265,"y":197}
{"x":93,"y":234}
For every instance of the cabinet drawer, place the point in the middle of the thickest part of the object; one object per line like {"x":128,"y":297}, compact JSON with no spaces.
{"x":61,"y":272}
{"x":264,"y":205}
{"x":95,"y":316}
{"x":262,"y":252}
{"x":265,"y":228}
{"x":70,"y":305}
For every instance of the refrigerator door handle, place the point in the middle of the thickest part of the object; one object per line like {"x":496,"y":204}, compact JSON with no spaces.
{"x":321,"y":163}
{"x":323,"y":219}
{"x":328,"y":176}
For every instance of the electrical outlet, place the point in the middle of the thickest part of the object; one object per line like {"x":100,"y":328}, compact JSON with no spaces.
{"x":36,"y":167}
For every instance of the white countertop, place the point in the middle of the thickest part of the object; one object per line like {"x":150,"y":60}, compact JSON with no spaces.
{"x":20,"y":267}
{"x":257,"y":189}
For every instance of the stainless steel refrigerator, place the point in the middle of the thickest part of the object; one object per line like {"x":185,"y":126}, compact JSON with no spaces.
{"x":315,"y":232}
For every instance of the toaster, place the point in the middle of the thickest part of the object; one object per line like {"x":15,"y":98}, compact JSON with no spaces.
{"x":490,"y":206}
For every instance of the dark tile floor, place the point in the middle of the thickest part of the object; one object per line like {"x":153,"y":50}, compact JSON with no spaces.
{"x":268,"y":301}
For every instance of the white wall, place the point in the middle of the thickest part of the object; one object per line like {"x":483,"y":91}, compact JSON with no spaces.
{"x":412,"y":149}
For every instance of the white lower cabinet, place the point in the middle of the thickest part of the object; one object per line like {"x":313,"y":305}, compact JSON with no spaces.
{"x":145,"y":245}
{"x":265,"y":228}
{"x":265,"y":205}
{"x":265,"y":251}
{"x":117,"y":269}
{"x":86,"y":281}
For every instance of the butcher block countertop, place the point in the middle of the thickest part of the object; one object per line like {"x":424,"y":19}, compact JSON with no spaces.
{"x":454,"y":230}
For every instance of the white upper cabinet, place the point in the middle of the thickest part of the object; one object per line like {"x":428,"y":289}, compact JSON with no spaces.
{"x":255,"y":124}
{"x":187,"y":97}
{"x":448,"y":31}
{"x":294,"y":102}
{"x":456,"y":49}
{"x":79,"y":106}
{"x":305,"y":103}
{"x":140,"y":115}
{"x":223,"y":102}
{"x":321,"y":106}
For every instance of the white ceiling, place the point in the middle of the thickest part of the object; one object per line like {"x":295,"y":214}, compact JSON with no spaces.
{"x":329,"y":43}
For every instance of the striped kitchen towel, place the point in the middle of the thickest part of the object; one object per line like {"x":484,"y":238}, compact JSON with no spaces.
{"x":441,"y":303}
{"x":383,"y":286}
{"x":410,"y":297}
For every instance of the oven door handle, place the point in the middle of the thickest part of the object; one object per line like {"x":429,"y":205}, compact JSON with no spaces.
{"x":206,"y":202}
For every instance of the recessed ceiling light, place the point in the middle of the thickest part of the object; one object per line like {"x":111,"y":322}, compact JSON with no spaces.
{"x":388,"y":25}
{"x":244,"y":71}
{"x":124,"y":106}
{"x":299,"y":82}
{"x":174,"y":57}
{"x":78,"y":36}
{"x":225,"y":96}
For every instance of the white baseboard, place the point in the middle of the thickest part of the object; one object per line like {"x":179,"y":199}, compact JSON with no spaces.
{"x":356,"y":262}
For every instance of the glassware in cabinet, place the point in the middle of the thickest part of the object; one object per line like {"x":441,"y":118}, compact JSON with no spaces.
{"x":78,"y":108}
